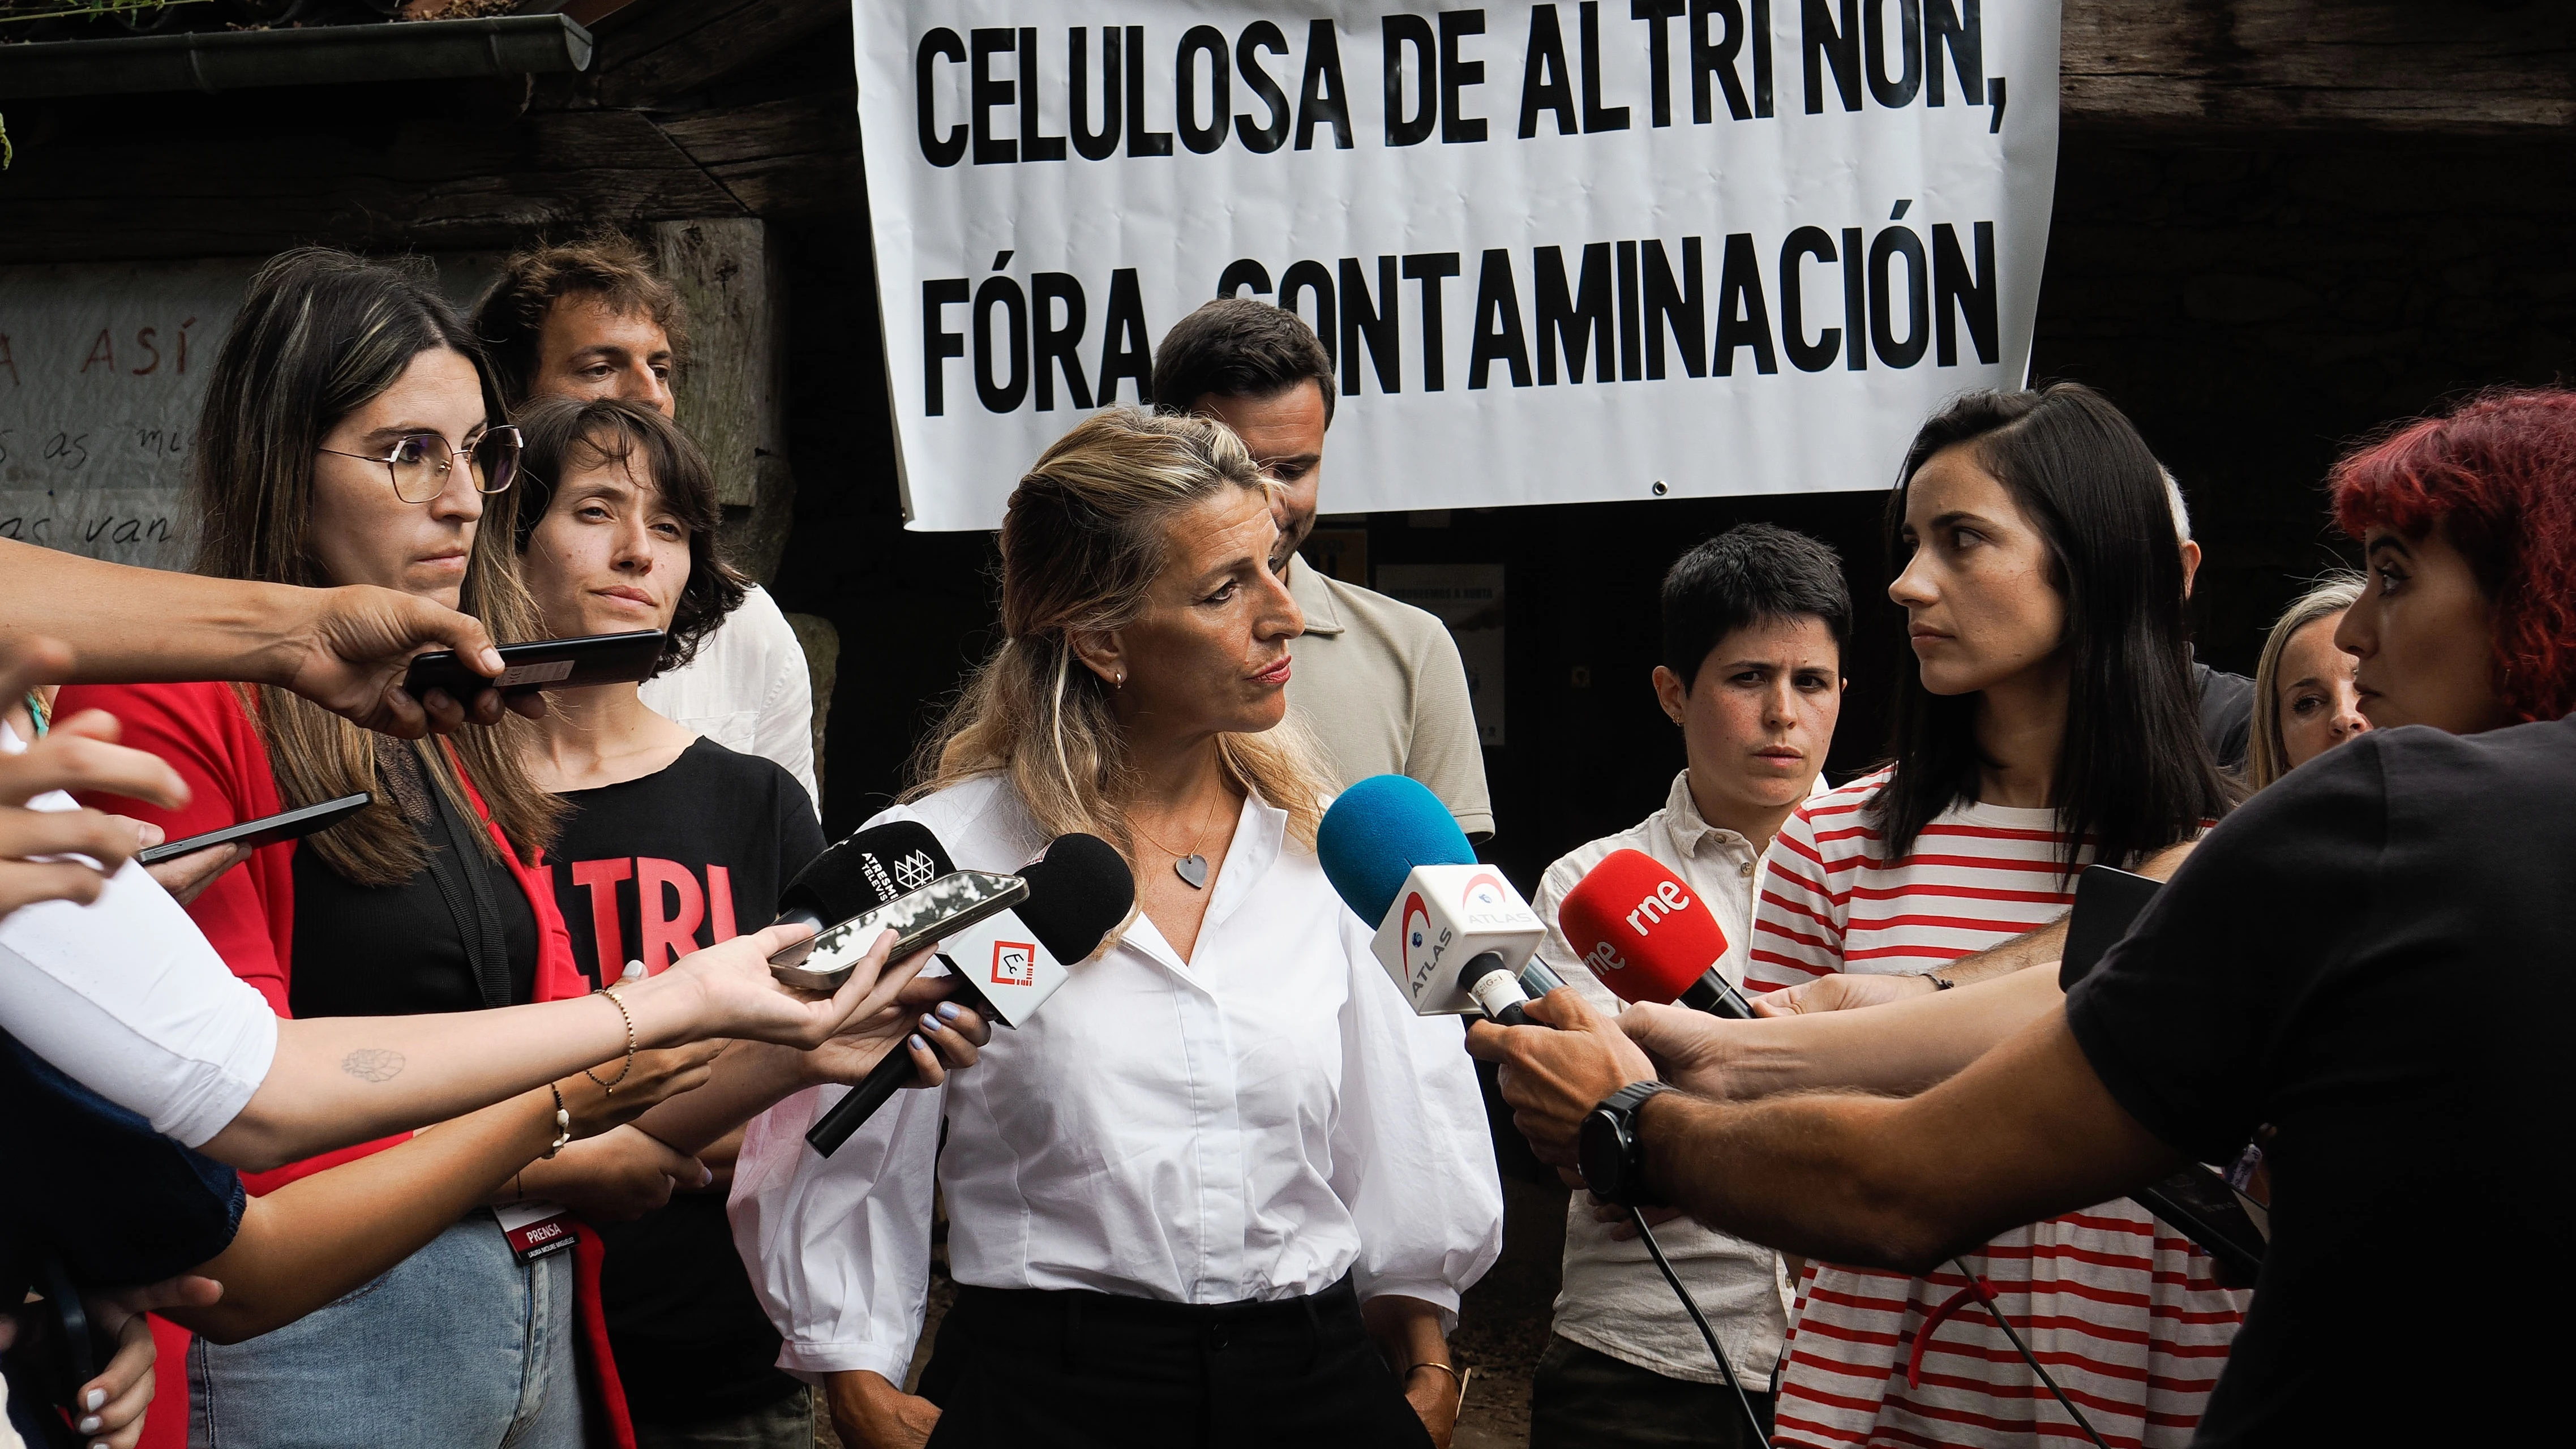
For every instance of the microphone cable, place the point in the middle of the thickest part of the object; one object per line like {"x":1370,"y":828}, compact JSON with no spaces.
{"x":2028,"y":1357}
{"x":1752,"y":1420}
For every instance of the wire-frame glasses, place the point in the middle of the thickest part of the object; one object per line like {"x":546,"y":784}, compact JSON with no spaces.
{"x":418,"y":463}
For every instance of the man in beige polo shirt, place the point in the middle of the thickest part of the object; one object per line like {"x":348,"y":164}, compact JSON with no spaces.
{"x":1377,"y":681}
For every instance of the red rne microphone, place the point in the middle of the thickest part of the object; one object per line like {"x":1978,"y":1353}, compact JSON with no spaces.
{"x":1648,"y":937}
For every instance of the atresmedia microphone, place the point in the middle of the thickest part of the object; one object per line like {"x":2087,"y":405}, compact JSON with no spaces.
{"x":872,"y":867}
{"x":1007,"y":965}
{"x":1452,"y":933}
{"x":1648,"y":938}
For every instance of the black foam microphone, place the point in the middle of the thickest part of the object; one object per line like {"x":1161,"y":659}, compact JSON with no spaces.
{"x":872,"y":867}
{"x":1006,"y":967}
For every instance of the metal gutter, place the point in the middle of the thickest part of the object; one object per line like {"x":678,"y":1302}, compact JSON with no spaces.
{"x":315,"y":55}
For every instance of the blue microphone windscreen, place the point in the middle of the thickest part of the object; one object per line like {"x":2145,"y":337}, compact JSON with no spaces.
{"x":1376,"y":832}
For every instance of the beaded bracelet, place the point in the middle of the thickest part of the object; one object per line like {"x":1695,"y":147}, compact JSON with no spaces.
{"x":563,"y":1123}
{"x":611,"y":1087}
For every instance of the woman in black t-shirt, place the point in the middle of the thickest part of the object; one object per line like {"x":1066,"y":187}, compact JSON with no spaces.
{"x":672,"y":842}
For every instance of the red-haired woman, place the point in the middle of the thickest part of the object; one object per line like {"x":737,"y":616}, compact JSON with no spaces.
{"x":2469,"y":526}
{"x":2370,"y":954}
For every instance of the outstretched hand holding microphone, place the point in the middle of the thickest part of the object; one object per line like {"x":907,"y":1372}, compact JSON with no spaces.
{"x":1456,"y":938}
{"x":1003,"y":963}
{"x":1651,"y":941}
{"x":904,"y":1027}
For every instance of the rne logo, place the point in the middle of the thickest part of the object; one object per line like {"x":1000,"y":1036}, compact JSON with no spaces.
{"x":1667,"y":899}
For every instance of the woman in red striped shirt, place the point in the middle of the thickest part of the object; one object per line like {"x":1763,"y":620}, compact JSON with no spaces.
{"x":2049,"y":724}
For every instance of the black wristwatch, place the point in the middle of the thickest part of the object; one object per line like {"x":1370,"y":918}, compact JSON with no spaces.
{"x":1606,"y":1148}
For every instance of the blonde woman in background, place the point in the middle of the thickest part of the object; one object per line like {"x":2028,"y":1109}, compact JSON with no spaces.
{"x":2304,"y":700}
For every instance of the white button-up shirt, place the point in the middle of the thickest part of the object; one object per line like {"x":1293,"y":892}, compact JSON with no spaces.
{"x":1252,"y":1124}
{"x":1613,"y":1299}
{"x":748,"y":689}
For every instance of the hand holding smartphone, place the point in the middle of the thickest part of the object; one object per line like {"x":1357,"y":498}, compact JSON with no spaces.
{"x":543,"y":664}
{"x":267,"y":830}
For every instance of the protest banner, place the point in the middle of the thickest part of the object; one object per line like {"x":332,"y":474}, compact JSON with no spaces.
{"x":1558,"y":252}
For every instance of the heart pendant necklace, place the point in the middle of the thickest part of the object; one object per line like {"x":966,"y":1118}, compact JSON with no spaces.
{"x":1191,"y":868}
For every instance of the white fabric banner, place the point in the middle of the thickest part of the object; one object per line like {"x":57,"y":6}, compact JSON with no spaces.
{"x":1560,"y":252}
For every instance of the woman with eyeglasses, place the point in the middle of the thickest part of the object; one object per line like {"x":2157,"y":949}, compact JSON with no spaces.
{"x":351,"y":435}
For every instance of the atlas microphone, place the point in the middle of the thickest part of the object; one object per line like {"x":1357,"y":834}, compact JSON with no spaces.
{"x":1452,"y":933}
{"x":1648,"y":937}
{"x":1006,"y":963}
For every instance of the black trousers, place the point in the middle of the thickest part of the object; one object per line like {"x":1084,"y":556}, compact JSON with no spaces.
{"x":1582,"y":1398}
{"x":1070,"y":1370}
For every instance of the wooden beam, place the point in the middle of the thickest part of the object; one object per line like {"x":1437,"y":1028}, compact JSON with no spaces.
{"x":653,"y":53}
{"x":734,"y":402}
{"x":786,"y":158}
{"x":425,"y":183}
{"x":2242,"y":69}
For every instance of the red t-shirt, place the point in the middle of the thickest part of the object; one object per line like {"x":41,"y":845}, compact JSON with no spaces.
{"x":204,"y":732}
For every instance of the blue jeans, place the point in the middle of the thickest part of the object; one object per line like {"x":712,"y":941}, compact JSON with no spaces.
{"x":459,"y":1346}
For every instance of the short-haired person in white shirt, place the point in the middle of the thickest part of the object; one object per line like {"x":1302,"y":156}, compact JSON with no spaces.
{"x":1225,"y":1188}
{"x":1754,"y":622}
{"x":593,"y":319}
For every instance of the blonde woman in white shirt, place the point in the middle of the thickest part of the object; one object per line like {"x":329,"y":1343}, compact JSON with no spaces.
{"x":1754,"y":622}
{"x":1226,"y":1189}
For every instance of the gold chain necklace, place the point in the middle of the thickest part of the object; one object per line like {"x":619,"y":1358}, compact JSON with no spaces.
{"x":1193,"y":867}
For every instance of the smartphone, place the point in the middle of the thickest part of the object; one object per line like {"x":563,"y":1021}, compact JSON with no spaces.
{"x":267,"y":830}
{"x":822,"y":961}
{"x":73,"y":1353}
{"x":543,"y":664}
{"x":2221,"y":1221}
